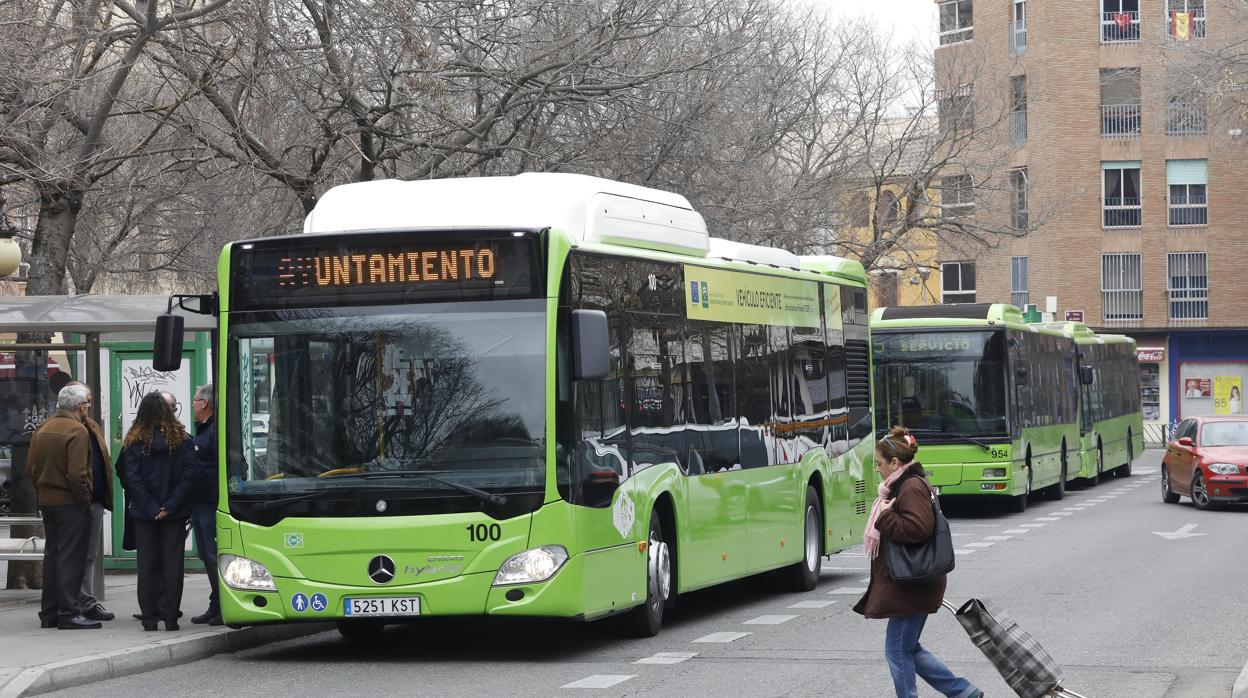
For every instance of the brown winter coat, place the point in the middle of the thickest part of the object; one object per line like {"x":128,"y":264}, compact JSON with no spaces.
{"x":909,"y":520}
{"x":59,"y":461}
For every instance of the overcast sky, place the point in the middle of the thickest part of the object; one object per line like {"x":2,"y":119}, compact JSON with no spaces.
{"x":907,"y":19}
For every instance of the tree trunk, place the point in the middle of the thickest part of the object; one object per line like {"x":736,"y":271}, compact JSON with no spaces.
{"x":59,"y":204}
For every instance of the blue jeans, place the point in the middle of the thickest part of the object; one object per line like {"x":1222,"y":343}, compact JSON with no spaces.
{"x":906,"y":657}
{"x":204,"y":525}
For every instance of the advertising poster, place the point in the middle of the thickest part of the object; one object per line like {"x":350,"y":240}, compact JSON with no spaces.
{"x":1197,"y":388}
{"x":751,"y":299}
{"x":1227,"y":395}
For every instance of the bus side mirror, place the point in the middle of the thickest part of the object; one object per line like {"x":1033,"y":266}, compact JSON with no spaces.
{"x":1020,"y":373}
{"x":591,"y":354}
{"x":167,"y":345}
{"x":1085,"y":375}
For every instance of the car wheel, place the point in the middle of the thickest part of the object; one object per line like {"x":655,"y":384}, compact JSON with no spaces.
{"x":1167,"y":493}
{"x":804,"y":574}
{"x":1200,"y":492}
{"x":647,"y":619}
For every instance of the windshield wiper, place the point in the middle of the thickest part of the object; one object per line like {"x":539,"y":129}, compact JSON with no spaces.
{"x":956,"y":435}
{"x":484,"y":496}
{"x":315,"y":494}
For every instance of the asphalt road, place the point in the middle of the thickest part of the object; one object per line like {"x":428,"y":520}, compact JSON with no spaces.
{"x":1127,"y":613}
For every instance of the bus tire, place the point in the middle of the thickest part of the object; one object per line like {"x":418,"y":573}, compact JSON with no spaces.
{"x":1057,"y":491}
{"x":804,"y":574}
{"x":647,"y":619}
{"x":1100,"y":465}
{"x":1125,"y":470}
{"x":360,"y":630}
{"x":1018,"y":504}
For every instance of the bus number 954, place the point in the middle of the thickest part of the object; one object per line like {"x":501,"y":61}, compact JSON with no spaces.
{"x":482,"y":532}
{"x":999,"y":453}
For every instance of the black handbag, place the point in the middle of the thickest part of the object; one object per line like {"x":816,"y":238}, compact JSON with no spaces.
{"x":920,"y":563}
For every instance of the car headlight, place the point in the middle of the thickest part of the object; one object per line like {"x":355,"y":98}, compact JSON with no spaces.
{"x":1224,"y":468}
{"x":994,"y":472}
{"x":248,"y":575}
{"x":536,"y":565}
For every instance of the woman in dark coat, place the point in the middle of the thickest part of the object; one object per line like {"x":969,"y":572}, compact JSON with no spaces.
{"x":158,"y":474}
{"x":902,"y":513}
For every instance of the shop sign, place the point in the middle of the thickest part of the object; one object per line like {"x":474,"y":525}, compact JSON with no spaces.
{"x":1151,"y":355}
{"x":1074,"y":316}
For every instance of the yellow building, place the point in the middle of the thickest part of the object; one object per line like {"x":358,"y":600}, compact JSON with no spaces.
{"x":900,"y":256}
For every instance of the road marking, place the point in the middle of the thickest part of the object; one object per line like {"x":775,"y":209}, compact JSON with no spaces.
{"x":848,"y":591}
{"x":980,"y":545}
{"x":865,"y":580}
{"x":1022,"y":530}
{"x":769,"y":620}
{"x":721,"y":637}
{"x":1072,"y":509}
{"x":1031,"y":525}
{"x":667,"y":658}
{"x":1183,"y":532}
{"x":848,"y":569}
{"x":1048,"y":518}
{"x":1061,"y":513}
{"x":812,"y":604}
{"x":963,"y":551}
{"x":600,"y":681}
{"x":1081,"y":507}
{"x":998,"y":537}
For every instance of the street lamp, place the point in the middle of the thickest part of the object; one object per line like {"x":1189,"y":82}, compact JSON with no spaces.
{"x":10,"y":253}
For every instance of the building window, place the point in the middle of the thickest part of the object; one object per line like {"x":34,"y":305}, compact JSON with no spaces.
{"x":888,"y":289}
{"x":1120,"y":102}
{"x":1018,"y":199}
{"x":955,"y":109}
{"x":955,"y":21}
{"x":1018,"y":28}
{"x":1019,"y":281}
{"x":1121,"y":192}
{"x":957,"y":282}
{"x":957,"y":196}
{"x":1187,"y":285}
{"x":1185,"y":19}
{"x":1121,"y":292}
{"x":1150,"y":391}
{"x":1120,"y":21}
{"x":887,"y":210}
{"x":860,"y":210}
{"x":1185,"y":115}
{"x":1018,"y":112}
{"x":1188,"y":181}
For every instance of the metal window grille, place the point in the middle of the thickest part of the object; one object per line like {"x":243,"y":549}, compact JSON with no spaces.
{"x":957,"y":196}
{"x":1196,"y":26}
{"x":1020,"y":126}
{"x":1018,"y":36}
{"x":1019,"y":282}
{"x":1018,"y":204}
{"x":1189,"y":205}
{"x":1187,"y":286}
{"x":1120,"y":121}
{"x":1122,"y":293}
{"x":1120,"y":27}
{"x":1185,"y":119}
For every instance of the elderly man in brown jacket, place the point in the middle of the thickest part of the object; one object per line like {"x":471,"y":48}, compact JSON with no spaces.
{"x":59,"y":463}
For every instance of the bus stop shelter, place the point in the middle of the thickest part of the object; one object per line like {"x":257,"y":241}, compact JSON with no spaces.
{"x":92,"y":329}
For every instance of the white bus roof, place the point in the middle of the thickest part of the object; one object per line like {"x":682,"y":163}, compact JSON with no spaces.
{"x":588,"y":209}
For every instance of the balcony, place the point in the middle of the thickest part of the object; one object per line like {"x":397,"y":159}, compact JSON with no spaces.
{"x":1122,"y":212}
{"x":1192,"y":209}
{"x":1120,"y":27}
{"x":1120,"y":121}
{"x":1019,"y":127}
{"x":1185,"y":119}
{"x":1193,"y":29}
{"x":1018,"y":36}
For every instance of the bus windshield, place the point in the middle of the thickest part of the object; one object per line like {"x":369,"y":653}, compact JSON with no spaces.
{"x":433,"y":394}
{"x":941,"y":382}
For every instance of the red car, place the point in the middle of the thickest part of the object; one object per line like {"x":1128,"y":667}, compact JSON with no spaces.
{"x":1207,"y":461}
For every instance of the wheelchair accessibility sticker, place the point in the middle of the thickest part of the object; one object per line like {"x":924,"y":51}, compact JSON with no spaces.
{"x":319,"y":603}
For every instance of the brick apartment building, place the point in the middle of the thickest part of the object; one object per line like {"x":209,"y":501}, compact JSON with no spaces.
{"x":1140,"y":188}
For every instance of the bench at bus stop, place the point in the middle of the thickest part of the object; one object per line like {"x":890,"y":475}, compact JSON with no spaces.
{"x":18,"y":549}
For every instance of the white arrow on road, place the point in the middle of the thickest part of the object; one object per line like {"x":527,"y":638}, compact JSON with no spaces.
{"x":1184,"y":532}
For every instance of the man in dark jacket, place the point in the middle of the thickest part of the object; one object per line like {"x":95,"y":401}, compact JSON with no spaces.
{"x":59,"y":464}
{"x":204,"y":497}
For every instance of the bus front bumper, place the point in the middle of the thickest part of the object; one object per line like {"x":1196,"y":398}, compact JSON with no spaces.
{"x":977,"y":479}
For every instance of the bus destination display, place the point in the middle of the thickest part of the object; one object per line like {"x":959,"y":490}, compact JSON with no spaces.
{"x":382,"y":268}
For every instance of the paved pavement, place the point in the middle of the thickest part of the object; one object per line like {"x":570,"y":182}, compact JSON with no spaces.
{"x":1125,"y":612}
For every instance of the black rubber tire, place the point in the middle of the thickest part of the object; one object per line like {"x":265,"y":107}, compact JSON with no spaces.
{"x":1203,"y":503}
{"x":1125,"y":470}
{"x":1167,"y":493}
{"x":1100,"y":466}
{"x":1018,"y":503}
{"x":1057,"y":491}
{"x":360,"y":630}
{"x":647,"y":619}
{"x":801,"y":576}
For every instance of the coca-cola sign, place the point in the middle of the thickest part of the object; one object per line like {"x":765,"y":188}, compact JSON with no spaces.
{"x":1151,"y":355}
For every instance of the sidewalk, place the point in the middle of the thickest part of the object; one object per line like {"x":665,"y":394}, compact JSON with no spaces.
{"x":34,"y":661}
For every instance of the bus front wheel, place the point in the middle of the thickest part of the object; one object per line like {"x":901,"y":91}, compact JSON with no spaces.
{"x":1018,"y":504}
{"x":647,"y":619}
{"x":803,"y":575}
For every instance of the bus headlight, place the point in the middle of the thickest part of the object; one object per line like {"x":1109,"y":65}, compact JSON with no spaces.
{"x":536,"y":565}
{"x":994,"y":472}
{"x":248,"y":575}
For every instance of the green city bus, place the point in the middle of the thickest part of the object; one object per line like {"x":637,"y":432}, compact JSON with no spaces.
{"x":1110,"y":421}
{"x":990,"y":398}
{"x":544,"y":395}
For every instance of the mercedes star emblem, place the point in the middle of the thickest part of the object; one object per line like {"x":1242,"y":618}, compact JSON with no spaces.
{"x":381,"y":506}
{"x":381,"y":569}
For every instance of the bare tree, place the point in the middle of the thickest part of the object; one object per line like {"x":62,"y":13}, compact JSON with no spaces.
{"x":1206,"y":74}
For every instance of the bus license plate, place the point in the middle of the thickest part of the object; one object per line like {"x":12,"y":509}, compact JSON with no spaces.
{"x":383,"y":606}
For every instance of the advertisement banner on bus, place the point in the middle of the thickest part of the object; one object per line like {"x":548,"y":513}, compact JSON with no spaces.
{"x":750,"y":299}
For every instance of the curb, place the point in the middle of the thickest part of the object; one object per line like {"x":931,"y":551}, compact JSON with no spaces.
{"x":158,"y":655}
{"x":1241,"y":684}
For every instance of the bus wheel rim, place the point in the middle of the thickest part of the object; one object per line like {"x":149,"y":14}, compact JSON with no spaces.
{"x":660,"y":572}
{"x":811,"y":542}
